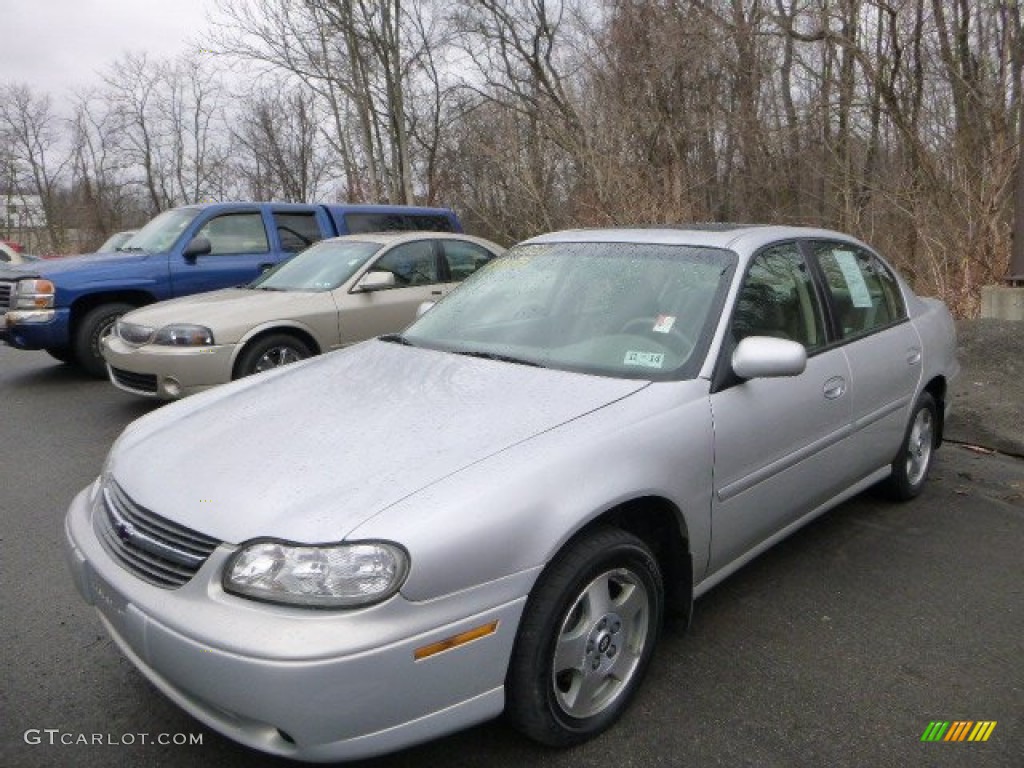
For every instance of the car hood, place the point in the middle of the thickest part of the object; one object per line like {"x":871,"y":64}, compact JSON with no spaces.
{"x":66,"y":264}
{"x":309,"y":452}
{"x":222,"y":309}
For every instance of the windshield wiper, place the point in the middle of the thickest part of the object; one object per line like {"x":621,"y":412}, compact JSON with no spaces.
{"x":499,"y":357}
{"x":132,"y":249}
{"x":396,"y":338}
{"x":265,"y":288}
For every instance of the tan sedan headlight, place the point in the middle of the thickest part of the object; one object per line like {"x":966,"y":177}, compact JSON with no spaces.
{"x":184,"y":335}
{"x":329,"y":576}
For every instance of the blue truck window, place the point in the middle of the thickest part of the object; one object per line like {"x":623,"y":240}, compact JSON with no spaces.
{"x":296,"y":230}
{"x":388,"y":222}
{"x":236,"y":233}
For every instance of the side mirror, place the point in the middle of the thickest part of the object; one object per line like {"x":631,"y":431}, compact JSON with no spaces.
{"x":762,"y":357}
{"x":375,"y":281}
{"x":423,"y":308}
{"x":198,"y":246}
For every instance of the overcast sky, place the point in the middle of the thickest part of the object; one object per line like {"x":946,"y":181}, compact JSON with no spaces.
{"x":55,"y":46}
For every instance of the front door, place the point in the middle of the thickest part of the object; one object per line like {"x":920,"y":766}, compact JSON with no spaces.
{"x":417,"y":279}
{"x":779,"y":442}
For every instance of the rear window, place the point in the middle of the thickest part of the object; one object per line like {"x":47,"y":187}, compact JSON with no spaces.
{"x":358,"y":223}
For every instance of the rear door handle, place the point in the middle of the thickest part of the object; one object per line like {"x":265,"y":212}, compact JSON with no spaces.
{"x":834,"y":388}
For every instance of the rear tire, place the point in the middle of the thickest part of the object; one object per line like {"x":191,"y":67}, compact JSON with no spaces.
{"x":97,"y":323}
{"x":271,"y":352}
{"x":914,"y":461}
{"x":586,"y":637}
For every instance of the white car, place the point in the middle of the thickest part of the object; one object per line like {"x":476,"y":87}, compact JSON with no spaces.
{"x":10,"y":256}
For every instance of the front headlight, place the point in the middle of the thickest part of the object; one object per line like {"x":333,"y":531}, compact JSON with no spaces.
{"x":34,"y":294}
{"x":133,"y":333}
{"x":184,"y":335}
{"x":327,"y":576}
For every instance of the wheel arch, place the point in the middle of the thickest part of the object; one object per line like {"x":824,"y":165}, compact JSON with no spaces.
{"x":81,"y":306}
{"x":661,"y":525}
{"x":302,"y":334}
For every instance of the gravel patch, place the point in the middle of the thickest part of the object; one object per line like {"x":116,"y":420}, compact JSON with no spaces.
{"x":988,"y":398}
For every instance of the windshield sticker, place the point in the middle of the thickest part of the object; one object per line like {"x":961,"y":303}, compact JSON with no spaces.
{"x":645,"y":359}
{"x":664,"y":323}
{"x":859,"y":293}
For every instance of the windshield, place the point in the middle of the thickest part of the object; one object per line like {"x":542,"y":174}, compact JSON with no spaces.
{"x":115,"y":242}
{"x":614,"y":309}
{"x":321,"y":267}
{"x":160,"y":234}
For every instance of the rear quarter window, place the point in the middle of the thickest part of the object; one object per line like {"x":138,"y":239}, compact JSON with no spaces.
{"x":358,"y":223}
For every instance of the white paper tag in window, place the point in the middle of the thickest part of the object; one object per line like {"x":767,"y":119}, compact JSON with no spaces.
{"x":644,"y":359}
{"x":664,"y":323}
{"x":860,"y":296}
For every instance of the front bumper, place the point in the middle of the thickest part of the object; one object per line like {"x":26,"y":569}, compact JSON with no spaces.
{"x":167,"y":373}
{"x":35,"y":329}
{"x":305,"y":684}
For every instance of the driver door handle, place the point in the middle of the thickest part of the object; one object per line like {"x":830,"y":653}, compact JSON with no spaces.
{"x":834,"y":388}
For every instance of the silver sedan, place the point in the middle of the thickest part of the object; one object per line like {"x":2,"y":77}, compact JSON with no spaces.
{"x":495,"y":510}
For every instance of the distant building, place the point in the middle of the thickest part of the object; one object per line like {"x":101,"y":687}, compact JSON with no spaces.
{"x":21,"y":212}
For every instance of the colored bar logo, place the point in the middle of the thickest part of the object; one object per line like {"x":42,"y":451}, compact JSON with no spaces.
{"x":958,"y":730}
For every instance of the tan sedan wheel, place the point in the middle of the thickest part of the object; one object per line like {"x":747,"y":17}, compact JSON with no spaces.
{"x":271,"y":352}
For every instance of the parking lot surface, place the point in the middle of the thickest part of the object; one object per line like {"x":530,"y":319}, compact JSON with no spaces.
{"x":838,"y":647}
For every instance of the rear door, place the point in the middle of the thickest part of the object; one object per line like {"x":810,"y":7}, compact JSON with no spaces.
{"x":416,"y":266}
{"x":779,"y":442}
{"x":880,"y":344}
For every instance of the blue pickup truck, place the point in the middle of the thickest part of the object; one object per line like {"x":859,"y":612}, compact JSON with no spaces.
{"x":66,"y":306}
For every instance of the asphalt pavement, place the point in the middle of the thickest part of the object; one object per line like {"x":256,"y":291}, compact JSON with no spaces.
{"x":837,"y":648}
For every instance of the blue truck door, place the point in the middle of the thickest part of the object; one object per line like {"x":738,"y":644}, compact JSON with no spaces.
{"x":239,"y":251}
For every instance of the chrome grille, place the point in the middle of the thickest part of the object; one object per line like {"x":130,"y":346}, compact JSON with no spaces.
{"x":6,"y":289}
{"x":138,"y":382}
{"x":154,"y":549}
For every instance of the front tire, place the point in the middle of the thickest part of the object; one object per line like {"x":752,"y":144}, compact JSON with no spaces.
{"x":97,"y":323}
{"x":63,"y":354}
{"x":914,"y":461}
{"x":586,"y":638}
{"x":271,"y":352}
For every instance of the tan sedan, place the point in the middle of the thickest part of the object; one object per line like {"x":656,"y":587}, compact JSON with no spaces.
{"x":333,"y":294}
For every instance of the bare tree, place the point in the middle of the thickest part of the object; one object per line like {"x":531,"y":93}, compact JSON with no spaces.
{"x":32,"y":134}
{"x":283,"y":157}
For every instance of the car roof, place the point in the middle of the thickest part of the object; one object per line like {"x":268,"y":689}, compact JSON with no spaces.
{"x":742,"y":238}
{"x":399,"y":236}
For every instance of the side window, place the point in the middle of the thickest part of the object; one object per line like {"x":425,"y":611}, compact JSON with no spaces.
{"x":864,"y":292}
{"x":358,"y":223}
{"x":464,"y":258}
{"x":778,"y":299}
{"x":429,"y":223}
{"x":411,"y":263}
{"x":296,"y":230}
{"x":236,"y":233}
